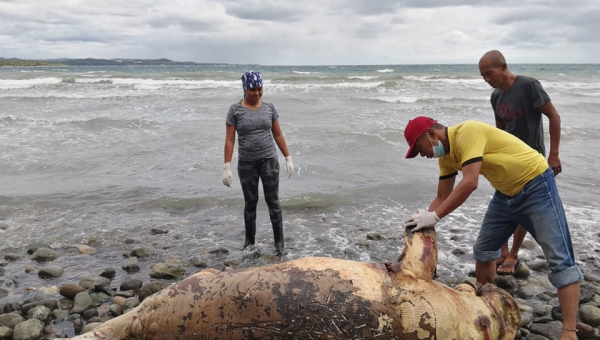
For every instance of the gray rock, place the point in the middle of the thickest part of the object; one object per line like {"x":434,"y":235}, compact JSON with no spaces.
{"x":50,"y":272}
{"x":50,"y":304}
{"x":549,"y":330}
{"x":29,"y":330}
{"x":90,"y":327}
{"x":219,"y":251}
{"x":78,"y":324}
{"x":90,"y":313}
{"x":231,"y":262}
{"x":91,"y":282}
{"x":66,"y":304}
{"x":556,"y":313}
{"x":151,"y":287}
{"x":131,"y":284}
{"x":44,"y":255}
{"x":131,"y":302}
{"x":5,"y":332}
{"x":587,"y":292}
{"x":99,"y":297}
{"x":458,"y":252}
{"x":41,"y":313}
{"x":127,"y":293}
{"x":142,"y":252}
{"x":375,"y":237}
{"x":529,"y":290}
{"x":199,"y":262}
{"x":166,"y":271}
{"x":131,"y":265}
{"x":12,"y":307}
{"x":10,"y":320}
{"x":115,"y":310}
{"x":522,"y":272}
{"x":59,"y":315}
{"x":507,"y":282}
{"x":526,"y":319}
{"x":12,"y":257}
{"x":157,"y":231}
{"x":532,"y":336}
{"x":538,"y":265}
{"x":83,"y":301}
{"x":108,"y":273}
{"x":590,"y":315}
{"x":591,"y":278}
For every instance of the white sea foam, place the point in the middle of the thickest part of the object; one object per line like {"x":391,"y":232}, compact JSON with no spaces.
{"x":363,"y":77}
{"x":103,"y":161}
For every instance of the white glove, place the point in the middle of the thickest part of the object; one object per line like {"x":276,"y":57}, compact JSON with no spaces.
{"x":421,"y":219}
{"x":227,"y":175}
{"x":289,"y":166}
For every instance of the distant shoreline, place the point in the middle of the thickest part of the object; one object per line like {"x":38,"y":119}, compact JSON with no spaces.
{"x":94,"y":62}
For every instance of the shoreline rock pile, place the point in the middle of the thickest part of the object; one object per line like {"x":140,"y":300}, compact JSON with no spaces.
{"x":77,"y":307}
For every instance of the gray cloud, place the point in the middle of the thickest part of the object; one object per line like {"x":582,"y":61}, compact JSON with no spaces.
{"x":303,"y":32}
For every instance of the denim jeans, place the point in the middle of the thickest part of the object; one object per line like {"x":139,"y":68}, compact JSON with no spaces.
{"x":539,"y":209}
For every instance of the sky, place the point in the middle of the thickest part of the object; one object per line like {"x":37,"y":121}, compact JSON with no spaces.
{"x":303,"y":32}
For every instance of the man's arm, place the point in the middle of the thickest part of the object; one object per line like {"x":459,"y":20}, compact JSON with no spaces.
{"x":554,"y":119}
{"x":459,"y":195}
{"x":445,"y":187}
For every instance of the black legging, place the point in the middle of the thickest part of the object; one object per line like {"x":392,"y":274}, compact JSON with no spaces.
{"x":267,"y":170}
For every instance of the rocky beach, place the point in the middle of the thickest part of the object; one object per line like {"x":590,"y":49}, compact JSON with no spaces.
{"x":40,"y":302}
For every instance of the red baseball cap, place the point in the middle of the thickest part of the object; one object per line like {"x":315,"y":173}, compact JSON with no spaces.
{"x":414,"y":129}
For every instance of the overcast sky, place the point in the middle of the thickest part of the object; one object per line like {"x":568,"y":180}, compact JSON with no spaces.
{"x":303,"y":32}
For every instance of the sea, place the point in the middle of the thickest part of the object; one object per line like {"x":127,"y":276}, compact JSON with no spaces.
{"x":100,"y":155}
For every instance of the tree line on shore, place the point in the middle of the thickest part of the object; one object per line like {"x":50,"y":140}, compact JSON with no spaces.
{"x":91,"y":62}
{"x":20,"y":62}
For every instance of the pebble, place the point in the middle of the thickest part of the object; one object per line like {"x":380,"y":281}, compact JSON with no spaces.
{"x":80,"y":306}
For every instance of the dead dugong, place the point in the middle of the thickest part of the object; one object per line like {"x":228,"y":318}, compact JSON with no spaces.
{"x":322,"y":298}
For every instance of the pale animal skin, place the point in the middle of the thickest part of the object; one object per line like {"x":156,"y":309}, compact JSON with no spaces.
{"x":322,"y":298}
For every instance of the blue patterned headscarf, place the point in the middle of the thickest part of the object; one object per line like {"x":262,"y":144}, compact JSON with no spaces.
{"x":251,"y":79}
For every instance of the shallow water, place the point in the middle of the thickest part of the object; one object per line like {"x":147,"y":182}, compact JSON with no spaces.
{"x":99,"y":155}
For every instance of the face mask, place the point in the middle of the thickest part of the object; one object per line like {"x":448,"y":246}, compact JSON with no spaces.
{"x":438,"y":150}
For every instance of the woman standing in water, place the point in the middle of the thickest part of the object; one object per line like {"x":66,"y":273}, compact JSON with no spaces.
{"x":257,"y":125}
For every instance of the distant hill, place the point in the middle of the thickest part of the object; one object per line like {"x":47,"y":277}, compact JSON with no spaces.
{"x":92,"y":62}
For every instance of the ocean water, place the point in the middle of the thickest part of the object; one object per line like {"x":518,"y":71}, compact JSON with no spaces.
{"x":99,"y":155}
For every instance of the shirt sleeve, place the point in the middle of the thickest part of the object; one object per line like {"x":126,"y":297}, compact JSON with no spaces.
{"x":231,"y":118}
{"x":538,"y":95}
{"x":275,"y":114}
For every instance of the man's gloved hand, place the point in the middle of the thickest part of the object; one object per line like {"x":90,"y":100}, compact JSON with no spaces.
{"x":421,"y":219}
{"x":289,"y":166}
{"x":227,"y":175}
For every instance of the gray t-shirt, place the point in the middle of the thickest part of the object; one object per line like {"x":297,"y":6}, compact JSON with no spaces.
{"x":518,"y":108}
{"x":255,"y":139}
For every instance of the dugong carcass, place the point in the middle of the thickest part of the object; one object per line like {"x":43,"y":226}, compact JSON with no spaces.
{"x":322,"y":298}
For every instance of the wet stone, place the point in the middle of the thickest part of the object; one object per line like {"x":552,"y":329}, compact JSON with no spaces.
{"x":11,"y":257}
{"x":131,"y":284}
{"x":108,"y":273}
{"x":44,"y":255}
{"x":49,"y":272}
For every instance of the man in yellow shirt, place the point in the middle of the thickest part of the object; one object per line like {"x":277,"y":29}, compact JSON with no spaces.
{"x":525,"y":195}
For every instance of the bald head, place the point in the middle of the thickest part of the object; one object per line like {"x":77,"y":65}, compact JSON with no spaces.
{"x":494,"y":70}
{"x":494,"y":57}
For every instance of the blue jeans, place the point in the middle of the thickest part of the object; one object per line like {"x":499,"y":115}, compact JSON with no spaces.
{"x":539,"y":209}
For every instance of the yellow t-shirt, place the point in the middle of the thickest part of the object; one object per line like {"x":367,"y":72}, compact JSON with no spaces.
{"x":507,"y":162}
